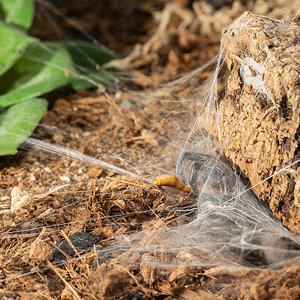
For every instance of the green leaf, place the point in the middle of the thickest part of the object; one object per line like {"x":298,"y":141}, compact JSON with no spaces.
{"x":88,"y":60}
{"x":17,"y":12}
{"x":18,"y":122}
{"x":12,"y":44}
{"x":44,"y":67}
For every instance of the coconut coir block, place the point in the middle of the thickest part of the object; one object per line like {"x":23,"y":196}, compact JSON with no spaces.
{"x":259,"y":115}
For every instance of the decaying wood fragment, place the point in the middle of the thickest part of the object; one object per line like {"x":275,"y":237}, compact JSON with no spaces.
{"x":259,"y":115}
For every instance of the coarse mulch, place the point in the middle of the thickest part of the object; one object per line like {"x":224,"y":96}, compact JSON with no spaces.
{"x":133,"y":127}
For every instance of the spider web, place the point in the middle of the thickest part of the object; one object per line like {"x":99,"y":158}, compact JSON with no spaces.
{"x":226,"y":224}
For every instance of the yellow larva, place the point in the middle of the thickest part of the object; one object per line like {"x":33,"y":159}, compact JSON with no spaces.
{"x":172,"y":181}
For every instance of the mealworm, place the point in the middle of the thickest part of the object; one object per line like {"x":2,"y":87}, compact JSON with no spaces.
{"x":172,"y":181}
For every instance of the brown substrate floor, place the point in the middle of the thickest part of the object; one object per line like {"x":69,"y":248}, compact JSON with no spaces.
{"x":129,"y":128}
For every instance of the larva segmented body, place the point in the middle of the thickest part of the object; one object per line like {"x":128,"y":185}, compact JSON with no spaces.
{"x":172,"y":181}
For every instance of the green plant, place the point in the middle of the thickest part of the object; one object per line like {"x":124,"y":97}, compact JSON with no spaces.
{"x":30,"y":68}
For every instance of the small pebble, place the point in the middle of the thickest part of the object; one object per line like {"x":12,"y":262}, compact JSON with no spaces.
{"x":64,"y":178}
{"x":86,"y":133}
{"x":47,"y":169}
{"x":80,"y":240}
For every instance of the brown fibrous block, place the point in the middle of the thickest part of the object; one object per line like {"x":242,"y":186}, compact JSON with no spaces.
{"x":259,"y":115}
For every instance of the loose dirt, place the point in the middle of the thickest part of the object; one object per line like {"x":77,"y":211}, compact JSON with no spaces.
{"x":99,"y":123}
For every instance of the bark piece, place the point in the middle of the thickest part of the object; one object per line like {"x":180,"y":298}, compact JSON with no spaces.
{"x":259,"y":115}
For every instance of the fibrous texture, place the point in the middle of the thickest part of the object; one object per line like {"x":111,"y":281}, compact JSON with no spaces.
{"x":258,"y":118}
